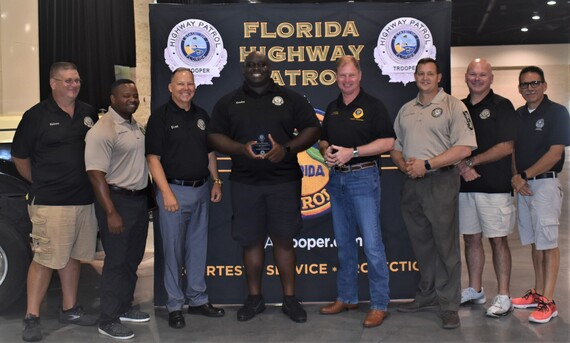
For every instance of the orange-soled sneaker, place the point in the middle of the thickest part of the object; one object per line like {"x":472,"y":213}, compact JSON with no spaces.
{"x":530,"y":299}
{"x":545,"y":311}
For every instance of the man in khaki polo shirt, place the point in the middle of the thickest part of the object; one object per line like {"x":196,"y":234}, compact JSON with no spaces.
{"x":117,"y":169}
{"x":434,"y":132}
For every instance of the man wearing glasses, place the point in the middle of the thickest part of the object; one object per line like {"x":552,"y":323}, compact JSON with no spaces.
{"x":543,"y":132}
{"x":48,"y":151}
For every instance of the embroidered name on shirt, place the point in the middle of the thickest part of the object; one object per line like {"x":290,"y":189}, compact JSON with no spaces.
{"x":53,"y":124}
{"x":240,"y":102}
{"x":173,"y":127}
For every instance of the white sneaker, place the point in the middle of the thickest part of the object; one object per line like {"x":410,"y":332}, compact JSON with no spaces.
{"x":502,"y":305}
{"x":471,"y":295}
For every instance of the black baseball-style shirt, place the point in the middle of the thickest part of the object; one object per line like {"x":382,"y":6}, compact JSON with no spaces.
{"x":547,"y":125}
{"x":362,"y":121}
{"x":55,"y":144}
{"x":179,"y":138}
{"x":243,"y":115}
{"x":494,"y":119}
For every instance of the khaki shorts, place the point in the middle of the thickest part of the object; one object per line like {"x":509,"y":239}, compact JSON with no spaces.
{"x":62,"y":232}
{"x":493,"y":214}
{"x":538,"y":214}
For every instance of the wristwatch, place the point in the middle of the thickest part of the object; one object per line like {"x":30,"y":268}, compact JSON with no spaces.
{"x":427,"y":165}
{"x":523,"y":175}
{"x":218,"y":181}
{"x":469,"y":162}
{"x":355,"y":152}
{"x":287,"y":148}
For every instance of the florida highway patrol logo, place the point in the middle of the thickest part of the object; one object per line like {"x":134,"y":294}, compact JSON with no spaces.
{"x":197,"y":45}
{"x":437,"y":112}
{"x":539,"y":124}
{"x":358,"y":113}
{"x":88,"y":121}
{"x":277,"y":101}
{"x":485,"y":114}
{"x":201,"y":124}
{"x":400,"y":45}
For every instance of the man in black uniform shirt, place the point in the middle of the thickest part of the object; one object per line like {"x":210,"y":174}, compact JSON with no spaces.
{"x":48,"y":151}
{"x":266,"y":184}
{"x":485,"y":204}
{"x":356,"y":130}
{"x":180,"y":161}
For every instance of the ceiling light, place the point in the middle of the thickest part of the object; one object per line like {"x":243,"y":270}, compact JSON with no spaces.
{"x":524,"y":29}
{"x":551,"y":2}
{"x":535,"y":16}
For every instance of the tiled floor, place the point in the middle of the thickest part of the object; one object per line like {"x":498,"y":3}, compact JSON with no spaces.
{"x":273,"y":326}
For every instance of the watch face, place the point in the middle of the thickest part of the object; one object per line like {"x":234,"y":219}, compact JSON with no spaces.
{"x":469,"y":162}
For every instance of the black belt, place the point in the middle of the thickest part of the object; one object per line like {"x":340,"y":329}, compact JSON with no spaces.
{"x":188,"y":183}
{"x":439,"y":170}
{"x":354,"y":167}
{"x":124,"y":191}
{"x":547,"y":175}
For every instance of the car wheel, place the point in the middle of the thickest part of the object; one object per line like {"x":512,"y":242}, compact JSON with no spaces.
{"x":14,"y":262}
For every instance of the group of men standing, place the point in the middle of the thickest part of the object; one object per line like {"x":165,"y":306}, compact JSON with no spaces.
{"x":459,"y":158}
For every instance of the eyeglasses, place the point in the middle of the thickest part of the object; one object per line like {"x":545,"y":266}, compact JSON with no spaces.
{"x":533,"y":84}
{"x":70,"y":82}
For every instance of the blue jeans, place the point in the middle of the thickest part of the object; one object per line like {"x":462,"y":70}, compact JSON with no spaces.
{"x":355,"y":201}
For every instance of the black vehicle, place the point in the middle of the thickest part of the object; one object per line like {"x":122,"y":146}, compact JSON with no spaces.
{"x":15,"y":228}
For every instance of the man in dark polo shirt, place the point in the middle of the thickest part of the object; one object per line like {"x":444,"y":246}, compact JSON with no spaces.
{"x":180,"y":162}
{"x":256,"y":125}
{"x":542,"y":134}
{"x":485,"y":202}
{"x":48,"y":151}
{"x":356,"y":130}
{"x":117,"y":169}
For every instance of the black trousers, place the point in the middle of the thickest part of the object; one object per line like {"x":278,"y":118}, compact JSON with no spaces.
{"x":123,"y":254}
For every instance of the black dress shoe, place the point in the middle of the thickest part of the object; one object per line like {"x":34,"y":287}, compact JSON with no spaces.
{"x":206,"y":310}
{"x":253,"y":305}
{"x":176,"y":320}
{"x":293,"y":308}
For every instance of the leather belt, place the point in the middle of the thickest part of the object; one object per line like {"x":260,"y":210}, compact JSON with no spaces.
{"x":354,"y":167}
{"x":124,"y":191}
{"x":439,"y":170}
{"x":547,"y":175}
{"x":188,"y":183}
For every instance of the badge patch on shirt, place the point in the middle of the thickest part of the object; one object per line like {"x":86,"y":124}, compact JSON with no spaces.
{"x":539,"y":124}
{"x":358,"y":113}
{"x":468,"y":120}
{"x":437,"y":112}
{"x":87,"y":121}
{"x":485,"y":114}
{"x":277,"y":101}
{"x":201,"y":124}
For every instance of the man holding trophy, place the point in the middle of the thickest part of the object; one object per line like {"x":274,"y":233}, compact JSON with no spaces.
{"x":262,"y":127}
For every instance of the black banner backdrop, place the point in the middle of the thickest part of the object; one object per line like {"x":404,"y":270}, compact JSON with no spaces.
{"x":302,"y":42}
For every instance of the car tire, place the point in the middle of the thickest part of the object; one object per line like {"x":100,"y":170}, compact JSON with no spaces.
{"x":15,"y":257}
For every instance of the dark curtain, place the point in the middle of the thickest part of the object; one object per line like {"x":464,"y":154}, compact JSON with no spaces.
{"x":96,"y":35}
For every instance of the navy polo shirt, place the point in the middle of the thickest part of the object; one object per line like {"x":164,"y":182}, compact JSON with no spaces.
{"x":55,"y":144}
{"x":179,"y":138}
{"x":547,"y":125}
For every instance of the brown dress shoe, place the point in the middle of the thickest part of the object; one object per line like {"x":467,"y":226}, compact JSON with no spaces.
{"x":337,"y":307}
{"x":374,"y":318}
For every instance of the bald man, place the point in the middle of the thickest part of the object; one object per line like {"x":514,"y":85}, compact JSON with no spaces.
{"x":485,"y":203}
